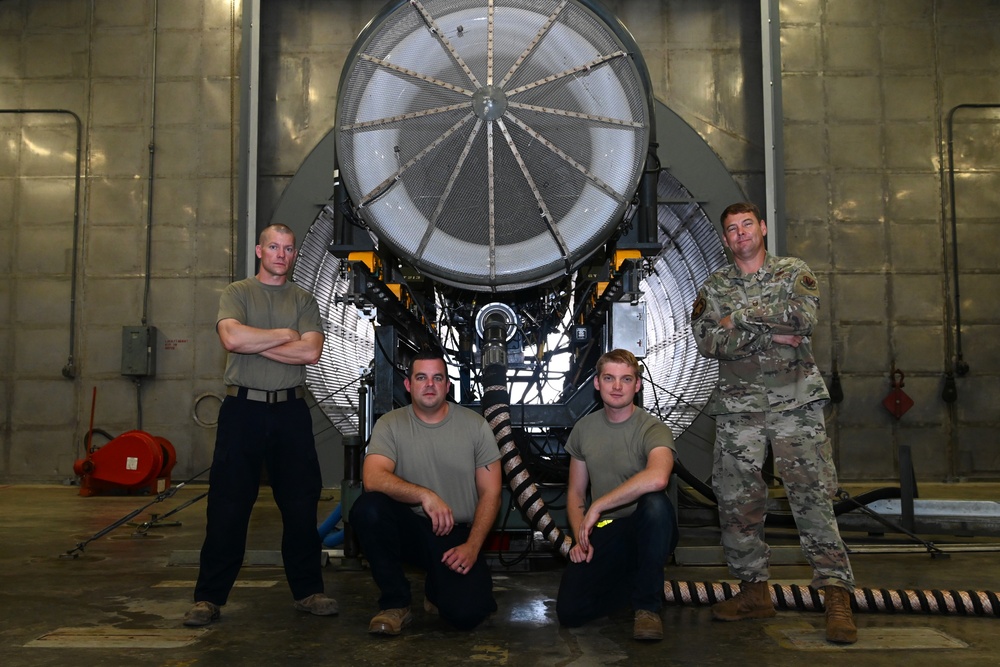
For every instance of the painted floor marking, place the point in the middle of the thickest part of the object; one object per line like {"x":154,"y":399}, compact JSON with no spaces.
{"x":108,"y":637}
{"x":176,"y":583}
{"x":808,"y":638}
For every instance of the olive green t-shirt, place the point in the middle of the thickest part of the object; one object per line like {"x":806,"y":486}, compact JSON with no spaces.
{"x":615,"y":452}
{"x":255,"y":304}
{"x":442,"y":457}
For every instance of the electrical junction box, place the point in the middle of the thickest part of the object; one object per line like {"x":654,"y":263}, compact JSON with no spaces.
{"x":139,"y":351}
{"x":627,"y":327}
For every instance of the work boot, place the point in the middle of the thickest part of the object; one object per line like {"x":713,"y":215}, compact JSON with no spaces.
{"x":390,"y":621}
{"x":318,"y":604}
{"x":840,"y":628}
{"x":753,"y":601}
{"x":648,"y":625}
{"x":202,"y":613}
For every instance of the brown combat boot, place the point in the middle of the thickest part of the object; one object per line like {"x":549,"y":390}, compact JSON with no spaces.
{"x":390,"y":621}
{"x":840,"y":628}
{"x":648,"y":625}
{"x":753,"y":601}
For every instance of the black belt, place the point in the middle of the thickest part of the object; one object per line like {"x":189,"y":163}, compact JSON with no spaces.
{"x":279,"y":396}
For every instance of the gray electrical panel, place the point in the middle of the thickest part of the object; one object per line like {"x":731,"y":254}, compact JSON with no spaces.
{"x":627,"y":327}
{"x":139,"y":351}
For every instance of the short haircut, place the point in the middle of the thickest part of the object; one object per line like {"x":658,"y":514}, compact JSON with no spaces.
{"x":740,"y":207}
{"x":276,"y":228}
{"x":618,"y":356}
{"x":426,"y":355}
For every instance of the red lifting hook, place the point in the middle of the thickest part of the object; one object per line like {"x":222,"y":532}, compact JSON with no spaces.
{"x":897,"y":402}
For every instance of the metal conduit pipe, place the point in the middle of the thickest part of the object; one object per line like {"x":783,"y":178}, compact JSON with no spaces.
{"x":496,"y":410}
{"x":805,"y":598}
{"x":961,"y":367}
{"x":69,"y":370}
{"x":151,"y":173}
{"x":150,"y":180}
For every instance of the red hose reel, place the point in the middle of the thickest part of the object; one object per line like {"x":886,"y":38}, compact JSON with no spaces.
{"x":134,"y":462}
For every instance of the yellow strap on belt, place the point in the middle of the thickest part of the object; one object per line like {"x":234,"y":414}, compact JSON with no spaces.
{"x":604,"y":522}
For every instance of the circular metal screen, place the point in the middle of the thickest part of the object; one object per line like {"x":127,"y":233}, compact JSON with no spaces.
{"x":678,"y":380}
{"x":493,"y":145}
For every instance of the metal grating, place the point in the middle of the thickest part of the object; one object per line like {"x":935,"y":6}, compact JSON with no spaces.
{"x":678,"y":380}
{"x":493,"y":145}
{"x":350,"y":339}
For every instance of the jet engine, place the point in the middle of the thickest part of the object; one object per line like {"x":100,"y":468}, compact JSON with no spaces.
{"x":501,"y":185}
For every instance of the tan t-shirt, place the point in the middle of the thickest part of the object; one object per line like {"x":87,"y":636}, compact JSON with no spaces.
{"x":442,"y":457}
{"x":255,"y":304}
{"x":615,"y":452}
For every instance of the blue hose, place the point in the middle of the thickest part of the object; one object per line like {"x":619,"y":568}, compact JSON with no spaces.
{"x":334,"y":539}
{"x":330,"y":523}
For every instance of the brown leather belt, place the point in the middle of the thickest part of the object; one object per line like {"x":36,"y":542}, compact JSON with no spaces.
{"x":262,"y":396}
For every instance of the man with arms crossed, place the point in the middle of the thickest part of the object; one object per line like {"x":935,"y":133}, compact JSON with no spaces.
{"x":272,"y":330}
{"x":756,"y":317}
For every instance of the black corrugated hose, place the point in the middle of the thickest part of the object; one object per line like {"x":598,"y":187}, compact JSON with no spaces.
{"x":805,"y":598}
{"x":496,"y":410}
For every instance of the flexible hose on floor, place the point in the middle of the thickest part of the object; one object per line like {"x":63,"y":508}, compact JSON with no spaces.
{"x":496,"y":410}
{"x":328,"y":532}
{"x":781,"y":519}
{"x":805,"y":598}
{"x":331,"y":521}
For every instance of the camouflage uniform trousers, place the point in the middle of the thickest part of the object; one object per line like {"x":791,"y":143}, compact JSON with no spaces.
{"x":804,"y":460}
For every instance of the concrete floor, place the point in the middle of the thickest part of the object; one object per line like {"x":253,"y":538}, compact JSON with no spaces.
{"x":123,"y":597}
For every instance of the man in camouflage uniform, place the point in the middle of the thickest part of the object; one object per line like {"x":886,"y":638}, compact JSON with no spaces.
{"x":756,"y":317}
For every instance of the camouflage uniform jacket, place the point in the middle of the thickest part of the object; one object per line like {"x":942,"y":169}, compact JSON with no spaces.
{"x":782,"y":297}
